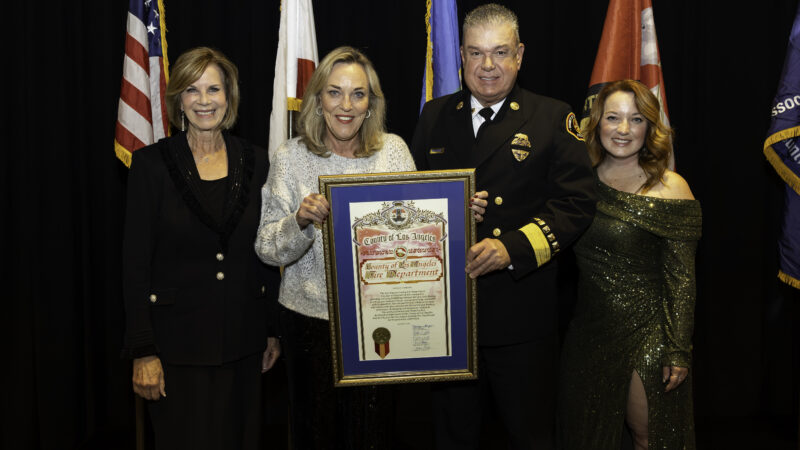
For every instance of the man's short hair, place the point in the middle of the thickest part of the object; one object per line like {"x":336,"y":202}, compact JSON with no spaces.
{"x":490,"y":14}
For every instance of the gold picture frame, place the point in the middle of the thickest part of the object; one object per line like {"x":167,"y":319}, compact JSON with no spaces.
{"x":401,"y":307}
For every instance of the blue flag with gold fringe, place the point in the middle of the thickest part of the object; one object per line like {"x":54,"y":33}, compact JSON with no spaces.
{"x":442,"y":58}
{"x":782,"y":149}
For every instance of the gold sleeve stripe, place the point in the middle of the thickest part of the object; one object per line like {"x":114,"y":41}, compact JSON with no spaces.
{"x":538,"y":241}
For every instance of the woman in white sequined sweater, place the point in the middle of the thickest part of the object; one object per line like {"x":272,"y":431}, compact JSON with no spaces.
{"x":341,"y":131}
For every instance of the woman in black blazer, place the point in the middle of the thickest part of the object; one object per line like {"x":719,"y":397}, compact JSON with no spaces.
{"x":197,"y":299}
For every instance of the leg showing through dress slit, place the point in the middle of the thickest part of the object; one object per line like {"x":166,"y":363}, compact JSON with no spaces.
{"x":636,"y":412}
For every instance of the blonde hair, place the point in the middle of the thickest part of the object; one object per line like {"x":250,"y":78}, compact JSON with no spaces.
{"x":654,"y":155}
{"x":311,"y":127}
{"x":188,"y":68}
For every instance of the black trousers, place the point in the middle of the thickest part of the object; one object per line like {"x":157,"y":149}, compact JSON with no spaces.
{"x":323,"y":416}
{"x":209,"y":407}
{"x":518,"y":382}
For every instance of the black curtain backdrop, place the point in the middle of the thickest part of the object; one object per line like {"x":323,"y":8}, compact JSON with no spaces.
{"x":62,"y":206}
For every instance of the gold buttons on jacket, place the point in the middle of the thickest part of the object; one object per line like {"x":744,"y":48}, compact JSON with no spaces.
{"x":263,"y":289}
{"x":220,"y":276}
{"x":496,"y":232}
{"x":498,"y":200}
{"x":220,"y":256}
{"x":153,"y":298}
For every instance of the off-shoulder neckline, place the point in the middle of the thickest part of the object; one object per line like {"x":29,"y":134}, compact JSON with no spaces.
{"x":645,"y":197}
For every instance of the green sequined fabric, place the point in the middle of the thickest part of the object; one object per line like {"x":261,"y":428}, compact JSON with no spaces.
{"x":634,"y":312}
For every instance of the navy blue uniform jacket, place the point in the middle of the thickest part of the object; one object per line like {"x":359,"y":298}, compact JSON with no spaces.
{"x":533,"y":162}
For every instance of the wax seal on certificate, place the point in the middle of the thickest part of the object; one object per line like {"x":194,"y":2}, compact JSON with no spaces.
{"x":381,"y":337}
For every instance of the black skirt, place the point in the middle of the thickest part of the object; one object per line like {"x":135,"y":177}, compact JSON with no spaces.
{"x":324,"y":417}
{"x":209,"y":407}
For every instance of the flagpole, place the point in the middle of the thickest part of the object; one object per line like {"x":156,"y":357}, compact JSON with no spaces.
{"x":291,"y":119}
{"x":139,"y":422}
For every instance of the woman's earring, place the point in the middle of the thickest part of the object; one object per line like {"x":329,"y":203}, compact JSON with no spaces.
{"x":183,"y":121}
{"x":318,"y":111}
{"x":369,"y":113}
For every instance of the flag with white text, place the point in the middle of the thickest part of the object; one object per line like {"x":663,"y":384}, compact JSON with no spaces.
{"x":442,"y":58}
{"x":142,"y":114}
{"x":782,"y":149}
{"x":295,"y":62}
{"x":628,"y":50}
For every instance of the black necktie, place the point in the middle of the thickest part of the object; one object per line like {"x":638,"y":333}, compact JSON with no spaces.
{"x":487,"y":114}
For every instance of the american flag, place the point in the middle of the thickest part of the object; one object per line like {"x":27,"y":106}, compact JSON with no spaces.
{"x":142,"y":114}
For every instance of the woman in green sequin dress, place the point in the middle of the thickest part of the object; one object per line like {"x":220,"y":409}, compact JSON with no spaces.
{"x":627,"y":353}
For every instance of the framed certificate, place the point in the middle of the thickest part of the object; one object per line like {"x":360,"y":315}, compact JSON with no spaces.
{"x":401,"y":306}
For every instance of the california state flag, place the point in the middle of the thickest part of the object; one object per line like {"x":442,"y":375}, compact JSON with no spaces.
{"x":294,"y":64}
{"x":628,"y":49}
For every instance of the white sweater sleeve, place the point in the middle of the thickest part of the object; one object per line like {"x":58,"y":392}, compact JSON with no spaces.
{"x":280,"y":241}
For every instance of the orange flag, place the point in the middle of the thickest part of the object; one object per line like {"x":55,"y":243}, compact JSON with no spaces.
{"x":628,"y":49}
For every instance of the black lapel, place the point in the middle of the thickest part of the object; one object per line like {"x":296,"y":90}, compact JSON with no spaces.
{"x":183,"y":172}
{"x":458,"y":127}
{"x":241,"y":166}
{"x":500,"y":132}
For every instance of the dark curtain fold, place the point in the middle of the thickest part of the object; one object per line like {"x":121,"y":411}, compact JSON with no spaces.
{"x":63,"y":189}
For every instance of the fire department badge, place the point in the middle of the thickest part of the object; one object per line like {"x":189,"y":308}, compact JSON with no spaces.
{"x":573,"y":128}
